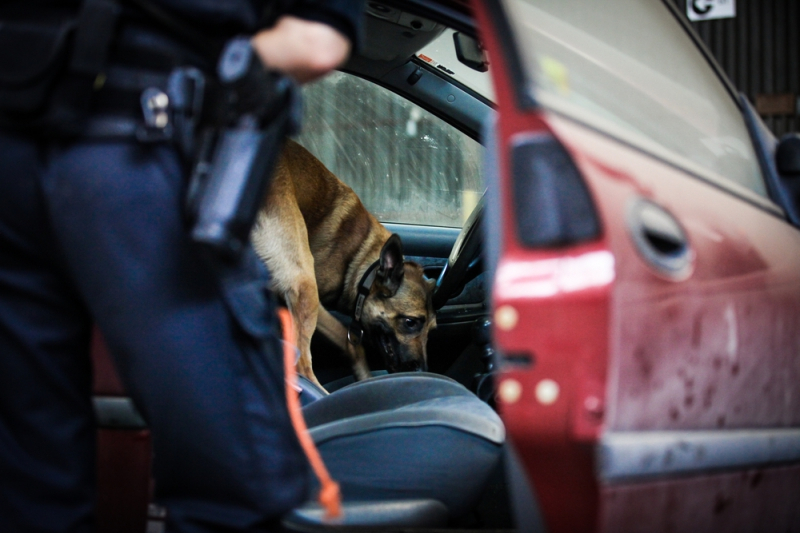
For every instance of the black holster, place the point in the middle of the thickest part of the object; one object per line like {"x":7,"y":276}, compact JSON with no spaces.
{"x":256,"y":109}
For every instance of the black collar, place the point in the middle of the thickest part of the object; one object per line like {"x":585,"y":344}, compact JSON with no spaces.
{"x":356,"y":331}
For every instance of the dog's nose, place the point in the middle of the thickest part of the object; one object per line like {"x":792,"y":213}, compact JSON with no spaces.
{"x":411,"y":366}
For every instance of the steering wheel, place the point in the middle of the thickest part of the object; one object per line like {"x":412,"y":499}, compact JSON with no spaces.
{"x":464,"y":263}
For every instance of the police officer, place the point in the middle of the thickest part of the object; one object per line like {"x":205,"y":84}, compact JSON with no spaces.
{"x":92,"y":232}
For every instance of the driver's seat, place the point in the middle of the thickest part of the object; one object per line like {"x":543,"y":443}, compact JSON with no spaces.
{"x":408,"y":450}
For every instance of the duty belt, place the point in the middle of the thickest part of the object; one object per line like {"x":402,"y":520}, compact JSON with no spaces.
{"x":149,"y":106}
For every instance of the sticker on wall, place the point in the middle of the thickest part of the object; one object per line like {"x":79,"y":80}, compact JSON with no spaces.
{"x":710,"y":9}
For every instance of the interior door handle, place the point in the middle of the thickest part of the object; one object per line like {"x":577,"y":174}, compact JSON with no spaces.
{"x":660,"y":239}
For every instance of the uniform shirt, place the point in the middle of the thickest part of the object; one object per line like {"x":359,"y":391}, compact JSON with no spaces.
{"x":230,"y":17}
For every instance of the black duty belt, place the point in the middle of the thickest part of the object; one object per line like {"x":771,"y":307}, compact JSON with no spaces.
{"x":117,"y":109}
{"x":150,"y":106}
{"x":128,"y":94}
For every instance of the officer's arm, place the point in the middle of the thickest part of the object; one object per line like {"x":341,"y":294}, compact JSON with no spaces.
{"x":303,"y":49}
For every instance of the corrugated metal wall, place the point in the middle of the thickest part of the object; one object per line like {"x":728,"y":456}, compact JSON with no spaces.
{"x":760,"y":51}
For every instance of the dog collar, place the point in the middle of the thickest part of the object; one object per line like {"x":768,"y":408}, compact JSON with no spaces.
{"x":355,"y":332}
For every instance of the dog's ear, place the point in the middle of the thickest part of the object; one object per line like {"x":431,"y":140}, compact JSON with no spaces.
{"x":391,"y":269}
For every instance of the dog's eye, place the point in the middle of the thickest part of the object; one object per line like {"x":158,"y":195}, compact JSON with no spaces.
{"x":411,"y":324}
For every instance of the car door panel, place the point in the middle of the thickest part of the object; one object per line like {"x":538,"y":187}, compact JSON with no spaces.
{"x":692,"y":360}
{"x":717,"y":347}
{"x":701,"y":368}
{"x":753,"y":500}
{"x":627,"y":388}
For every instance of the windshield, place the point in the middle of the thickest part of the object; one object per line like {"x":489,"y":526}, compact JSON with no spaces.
{"x":628,"y":68}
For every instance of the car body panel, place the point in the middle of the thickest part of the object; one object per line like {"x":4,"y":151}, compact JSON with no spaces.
{"x":718,"y":348}
{"x":749,"y":500}
{"x":633,"y":350}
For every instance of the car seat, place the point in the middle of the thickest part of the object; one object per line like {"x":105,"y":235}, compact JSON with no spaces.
{"x":408,"y":450}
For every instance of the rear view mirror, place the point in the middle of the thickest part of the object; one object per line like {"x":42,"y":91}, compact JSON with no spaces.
{"x":470,"y":52}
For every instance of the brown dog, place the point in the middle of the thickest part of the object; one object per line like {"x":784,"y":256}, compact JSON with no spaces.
{"x":318,"y":241}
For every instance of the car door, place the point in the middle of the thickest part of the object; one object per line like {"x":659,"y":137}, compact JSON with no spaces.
{"x":646,"y":284}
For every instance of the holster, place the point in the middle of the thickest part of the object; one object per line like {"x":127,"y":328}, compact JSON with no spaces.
{"x":236,"y":157}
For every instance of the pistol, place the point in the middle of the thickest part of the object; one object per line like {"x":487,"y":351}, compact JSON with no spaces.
{"x":255,"y":110}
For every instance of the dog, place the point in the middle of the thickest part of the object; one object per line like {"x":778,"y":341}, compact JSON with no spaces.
{"x":323,"y":247}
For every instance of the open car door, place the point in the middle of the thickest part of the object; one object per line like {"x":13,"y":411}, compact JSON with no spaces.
{"x":646,"y":294}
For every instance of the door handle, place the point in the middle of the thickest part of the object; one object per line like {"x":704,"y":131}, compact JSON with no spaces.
{"x":660,"y":239}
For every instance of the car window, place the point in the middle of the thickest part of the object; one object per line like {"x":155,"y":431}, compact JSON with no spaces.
{"x":627,"y":67}
{"x":406,"y":165}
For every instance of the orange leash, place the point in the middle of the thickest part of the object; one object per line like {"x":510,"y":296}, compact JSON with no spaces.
{"x":330,"y":496}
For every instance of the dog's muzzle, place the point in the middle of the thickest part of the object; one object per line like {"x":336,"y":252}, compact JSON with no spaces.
{"x":413,"y":366}
{"x":395,"y":358}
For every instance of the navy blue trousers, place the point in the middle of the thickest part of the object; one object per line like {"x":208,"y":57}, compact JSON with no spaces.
{"x":92,"y":232}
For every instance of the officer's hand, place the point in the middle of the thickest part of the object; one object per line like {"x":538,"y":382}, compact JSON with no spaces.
{"x":302,"y":49}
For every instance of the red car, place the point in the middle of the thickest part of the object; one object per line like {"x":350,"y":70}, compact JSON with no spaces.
{"x":626,"y":294}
